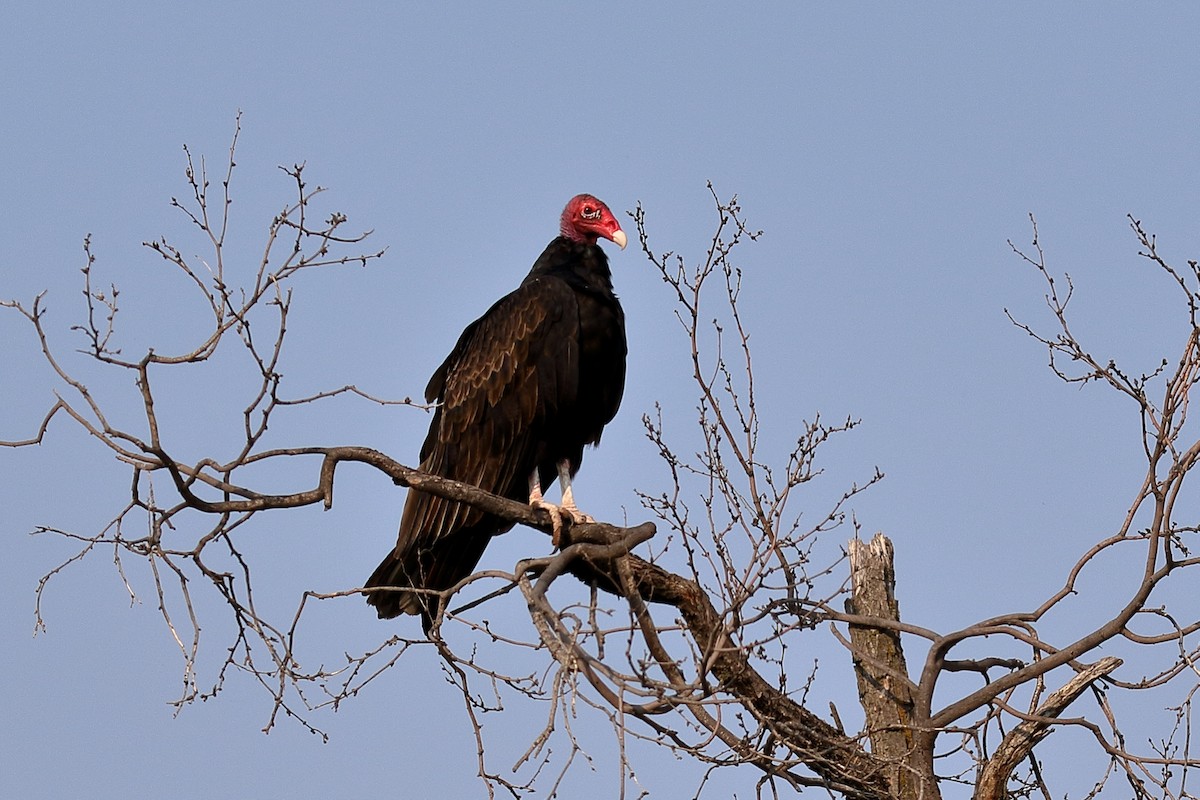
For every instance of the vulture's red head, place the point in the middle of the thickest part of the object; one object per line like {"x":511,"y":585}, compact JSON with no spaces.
{"x":586,"y":219}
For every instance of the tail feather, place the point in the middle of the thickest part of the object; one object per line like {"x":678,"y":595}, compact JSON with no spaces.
{"x":435,"y":568}
{"x":439,"y":543}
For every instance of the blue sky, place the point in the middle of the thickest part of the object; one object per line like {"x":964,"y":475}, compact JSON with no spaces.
{"x":889,"y":153}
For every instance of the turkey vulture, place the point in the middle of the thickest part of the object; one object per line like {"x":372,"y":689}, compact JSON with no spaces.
{"x":527,"y":385}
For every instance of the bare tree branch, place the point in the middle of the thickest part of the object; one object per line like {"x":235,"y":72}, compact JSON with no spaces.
{"x":697,"y":632}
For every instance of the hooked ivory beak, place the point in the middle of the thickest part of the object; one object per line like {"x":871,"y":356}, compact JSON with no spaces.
{"x":619,"y":239}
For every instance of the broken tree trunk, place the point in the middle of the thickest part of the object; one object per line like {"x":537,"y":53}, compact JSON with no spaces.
{"x":884,"y":688}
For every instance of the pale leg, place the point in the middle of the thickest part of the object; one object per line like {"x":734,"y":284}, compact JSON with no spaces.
{"x":536,"y":501}
{"x":568,"y":498}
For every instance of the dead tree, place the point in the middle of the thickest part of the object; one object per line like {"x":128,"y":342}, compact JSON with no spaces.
{"x":683,"y":631}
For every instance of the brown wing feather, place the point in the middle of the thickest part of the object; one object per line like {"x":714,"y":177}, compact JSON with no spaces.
{"x":516,"y":367}
{"x":511,"y":369}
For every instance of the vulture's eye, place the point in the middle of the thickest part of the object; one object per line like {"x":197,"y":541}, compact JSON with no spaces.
{"x":591,"y":213}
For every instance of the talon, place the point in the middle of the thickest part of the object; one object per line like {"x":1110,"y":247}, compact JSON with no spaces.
{"x":569,"y":508}
{"x":577,"y":516}
{"x":536,"y":501}
{"x":556,"y":515}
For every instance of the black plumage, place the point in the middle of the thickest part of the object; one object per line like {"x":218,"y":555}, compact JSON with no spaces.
{"x":527,"y":385}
